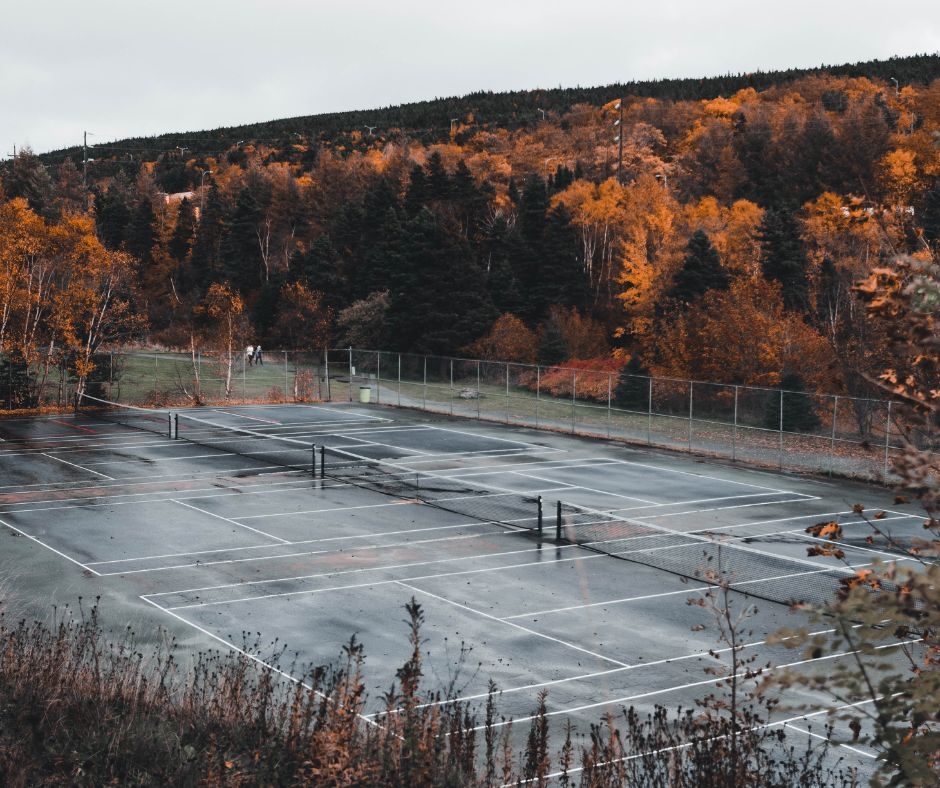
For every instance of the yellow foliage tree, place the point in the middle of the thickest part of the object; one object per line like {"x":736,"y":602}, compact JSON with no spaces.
{"x":509,"y":339}
{"x":743,"y":336}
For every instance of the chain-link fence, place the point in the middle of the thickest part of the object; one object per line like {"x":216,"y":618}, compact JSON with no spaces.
{"x":788,"y":430}
{"x":161,"y":379}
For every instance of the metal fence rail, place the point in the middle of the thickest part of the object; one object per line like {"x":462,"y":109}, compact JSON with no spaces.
{"x":832,"y":435}
{"x":787,"y":430}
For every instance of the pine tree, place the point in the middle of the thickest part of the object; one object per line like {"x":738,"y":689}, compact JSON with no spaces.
{"x":112,"y":215}
{"x":633,"y":386}
{"x":182,"y":238}
{"x":701,"y":271}
{"x":783,"y":257}
{"x":318,"y":268}
{"x":205,"y":258}
{"x":142,"y":232}
{"x":799,"y":413}
{"x":560,"y":278}
{"x":438,"y":299}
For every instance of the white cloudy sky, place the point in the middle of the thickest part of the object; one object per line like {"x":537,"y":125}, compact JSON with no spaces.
{"x":119,"y":68}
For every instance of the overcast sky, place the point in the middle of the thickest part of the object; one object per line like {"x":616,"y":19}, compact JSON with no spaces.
{"x":121,"y":68}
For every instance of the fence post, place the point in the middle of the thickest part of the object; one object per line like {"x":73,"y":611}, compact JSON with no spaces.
{"x":780,"y":447}
{"x":832,"y":439}
{"x":451,"y":387}
{"x":424,"y":385}
{"x":690,"y":416}
{"x":326,"y":370}
{"x":351,"y":370}
{"x":538,"y":392}
{"x":734,"y":429}
{"x":286,"y":377}
{"x":649,"y":413}
{"x":507,"y":392}
{"x":479,"y":391}
{"x":609,"y":377}
{"x":378,"y":377}
{"x":154,"y":377}
{"x":888,"y":441}
{"x":574,"y":382}
{"x":399,"y":380}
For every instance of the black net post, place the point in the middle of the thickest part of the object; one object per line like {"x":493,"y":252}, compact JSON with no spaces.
{"x":175,"y":427}
{"x":558,"y":522}
{"x":540,"y":514}
{"x":313,"y":459}
{"x":322,"y":462}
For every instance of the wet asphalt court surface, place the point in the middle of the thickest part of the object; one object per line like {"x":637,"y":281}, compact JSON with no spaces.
{"x":198,"y":540}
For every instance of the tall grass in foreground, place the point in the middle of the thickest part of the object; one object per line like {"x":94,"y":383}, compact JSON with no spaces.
{"x":79,"y":707}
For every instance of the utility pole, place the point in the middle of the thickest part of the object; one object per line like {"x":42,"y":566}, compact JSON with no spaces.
{"x":85,"y":160}
{"x":620,"y":143}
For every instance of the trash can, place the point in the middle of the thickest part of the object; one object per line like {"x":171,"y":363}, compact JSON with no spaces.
{"x":365,"y":393}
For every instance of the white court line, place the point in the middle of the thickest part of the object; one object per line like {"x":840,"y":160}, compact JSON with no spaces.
{"x":521,"y":628}
{"x":365,"y":547}
{"x":367,"y":583}
{"x":249,"y":655}
{"x":585,"y":606}
{"x":808,"y":732}
{"x":110,"y":499}
{"x":21,"y":532}
{"x":658,"y":516}
{"x":695,"y":475}
{"x":229,"y":520}
{"x":626,"y":700}
{"x":696,"y":655}
{"x":586,"y":489}
{"x":79,"y":467}
{"x":246,"y":416}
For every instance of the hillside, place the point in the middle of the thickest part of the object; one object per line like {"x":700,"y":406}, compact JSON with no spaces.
{"x":673,"y":227}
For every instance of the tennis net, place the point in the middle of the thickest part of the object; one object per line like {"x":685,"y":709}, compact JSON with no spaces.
{"x":273,"y":451}
{"x":155,"y":420}
{"x":701,"y":557}
{"x":449,"y":494}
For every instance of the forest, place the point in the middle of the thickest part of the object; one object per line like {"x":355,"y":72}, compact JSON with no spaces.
{"x":706,"y":229}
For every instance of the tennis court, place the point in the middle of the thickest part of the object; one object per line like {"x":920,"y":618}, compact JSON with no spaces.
{"x":225,"y":536}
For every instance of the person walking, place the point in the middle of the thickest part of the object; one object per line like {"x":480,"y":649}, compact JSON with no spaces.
{"x":259,"y":359}
{"x":249,"y":354}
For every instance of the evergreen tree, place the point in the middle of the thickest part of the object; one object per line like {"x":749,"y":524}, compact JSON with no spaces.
{"x":552,"y":346}
{"x":112,"y":215}
{"x":930,"y":215}
{"x":783,"y":258}
{"x":142,"y":232}
{"x":439,"y":183}
{"x":241,"y":259}
{"x":205,"y":258}
{"x":560,"y":278}
{"x":319,"y":269}
{"x":799,"y":413}
{"x":29,"y":179}
{"x":633,"y":386}
{"x":701,"y":271}
{"x":438,"y":299}
{"x":416,"y":196}
{"x":184,"y":232}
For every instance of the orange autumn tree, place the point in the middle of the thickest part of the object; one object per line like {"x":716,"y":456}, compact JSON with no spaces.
{"x":224,"y":308}
{"x":92,"y":305}
{"x":509,"y":339}
{"x":743,"y":336}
